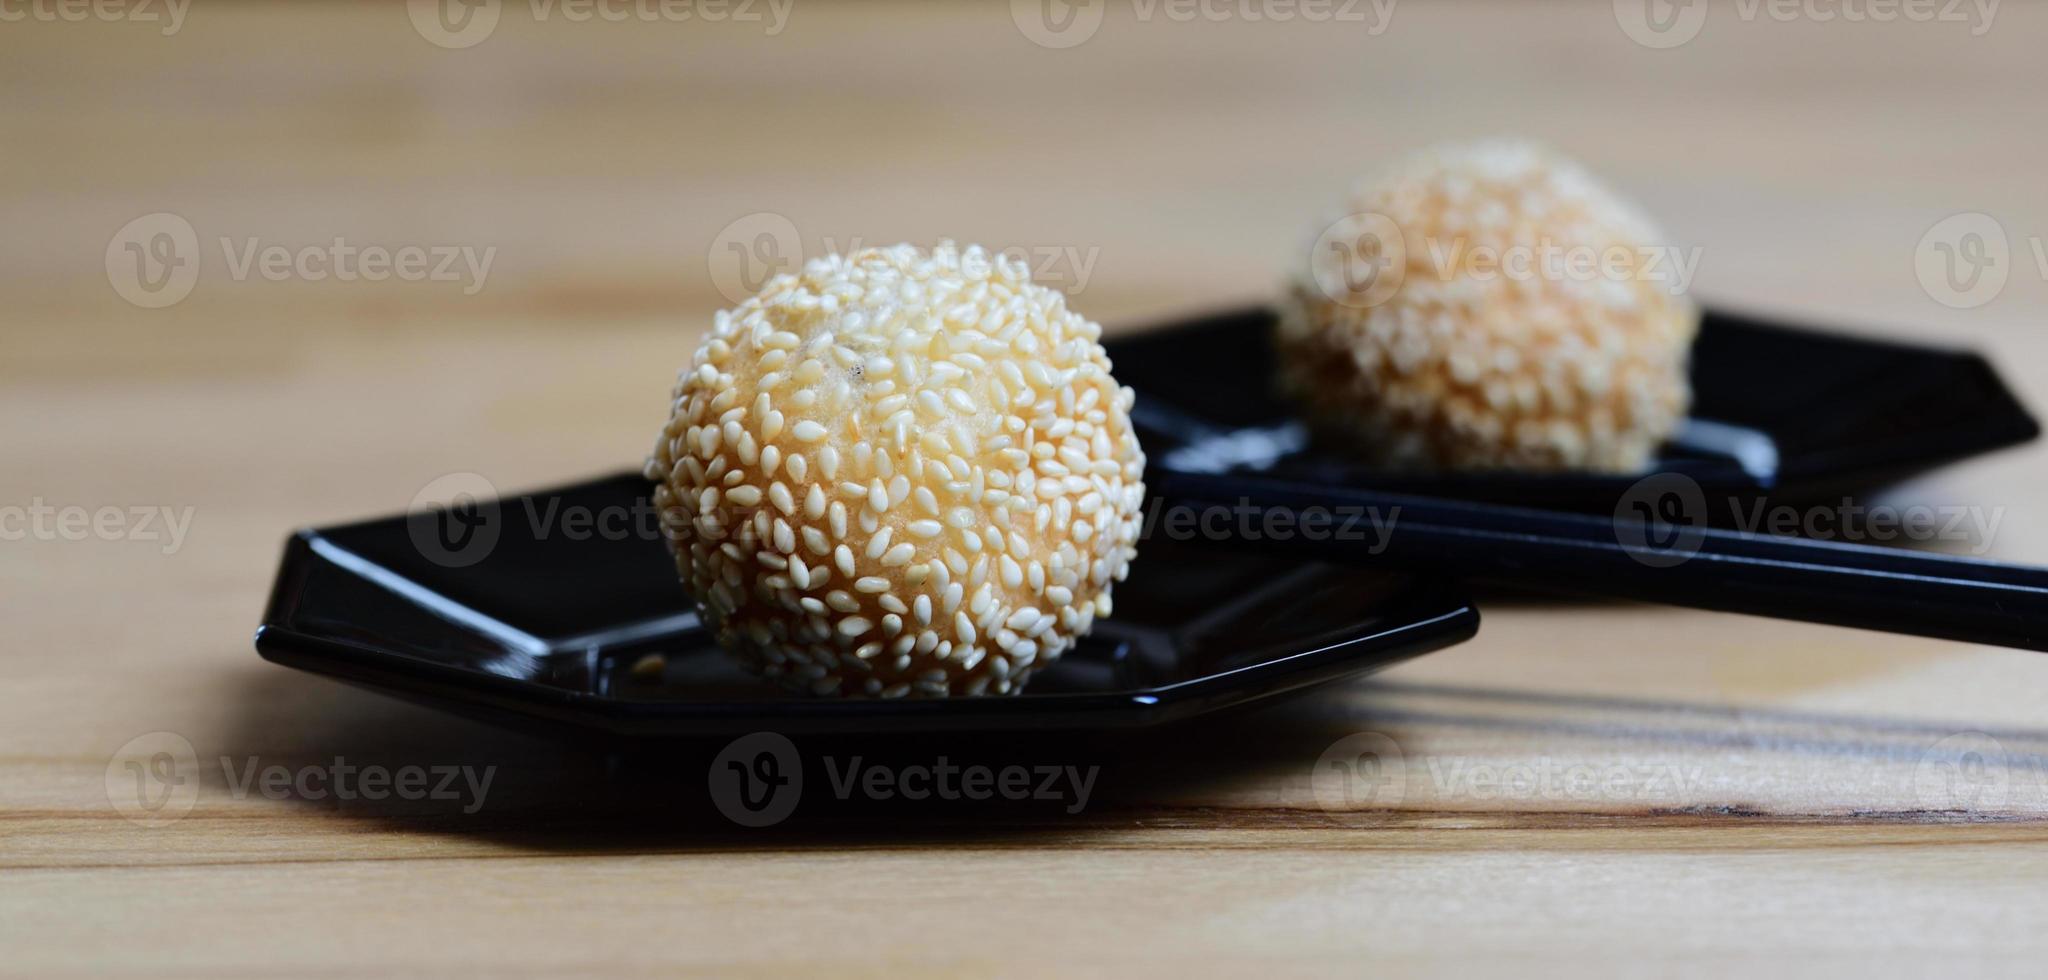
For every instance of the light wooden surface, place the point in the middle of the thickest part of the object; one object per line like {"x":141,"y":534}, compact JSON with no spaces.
{"x":1751,"y":795}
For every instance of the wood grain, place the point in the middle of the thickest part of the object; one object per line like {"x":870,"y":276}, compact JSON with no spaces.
{"x":1585,"y":787}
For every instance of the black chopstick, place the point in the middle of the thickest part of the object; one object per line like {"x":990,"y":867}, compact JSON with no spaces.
{"x":1859,"y":586}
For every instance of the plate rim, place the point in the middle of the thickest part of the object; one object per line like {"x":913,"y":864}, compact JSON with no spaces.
{"x":1450,"y":617}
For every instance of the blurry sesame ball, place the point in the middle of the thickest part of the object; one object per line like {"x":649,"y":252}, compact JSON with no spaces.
{"x":901,"y":472}
{"x":1491,"y":306}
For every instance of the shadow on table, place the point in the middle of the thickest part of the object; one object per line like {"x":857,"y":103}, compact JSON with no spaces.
{"x":618,"y":796}
{"x":1251,"y":770}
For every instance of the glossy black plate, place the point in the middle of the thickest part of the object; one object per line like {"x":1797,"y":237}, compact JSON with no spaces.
{"x":551,"y":621}
{"x":1781,"y":413}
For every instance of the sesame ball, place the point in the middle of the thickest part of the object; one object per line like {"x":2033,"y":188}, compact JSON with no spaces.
{"x":1490,"y":306}
{"x":901,"y":472}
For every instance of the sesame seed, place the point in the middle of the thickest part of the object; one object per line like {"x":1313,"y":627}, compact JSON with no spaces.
{"x":879,"y":543}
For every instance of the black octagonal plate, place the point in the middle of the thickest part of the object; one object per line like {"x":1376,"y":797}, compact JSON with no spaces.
{"x":1780,"y":413}
{"x":571,"y":623}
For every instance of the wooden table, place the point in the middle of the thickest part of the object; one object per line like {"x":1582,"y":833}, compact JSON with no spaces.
{"x":1585,"y":786}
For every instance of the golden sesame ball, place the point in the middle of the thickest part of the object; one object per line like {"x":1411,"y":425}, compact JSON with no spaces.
{"x":1491,"y":306}
{"x":901,"y":472}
